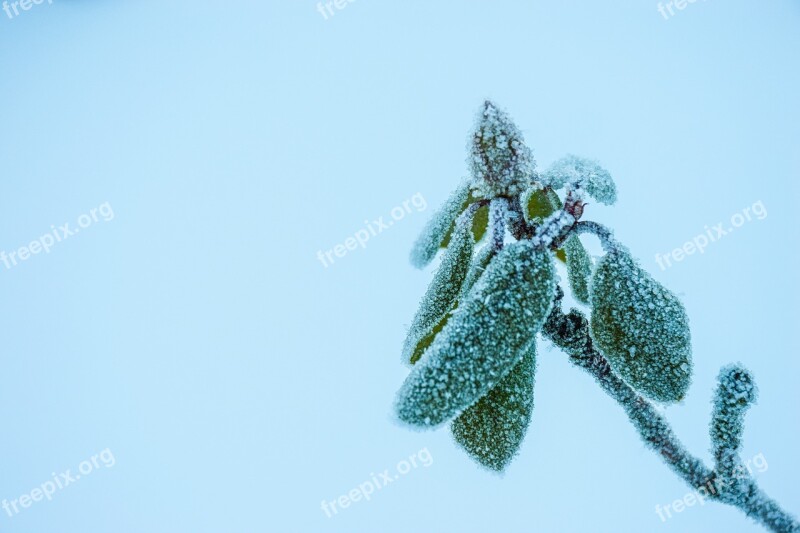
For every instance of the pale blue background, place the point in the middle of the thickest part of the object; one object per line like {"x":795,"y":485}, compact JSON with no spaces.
{"x":237,"y":381}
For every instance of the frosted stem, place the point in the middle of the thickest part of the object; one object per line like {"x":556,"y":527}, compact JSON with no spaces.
{"x":570,"y":332}
{"x":469,"y":213}
{"x":736,"y":392}
{"x":517,"y":226}
{"x":498,"y":210}
{"x":603,"y":233}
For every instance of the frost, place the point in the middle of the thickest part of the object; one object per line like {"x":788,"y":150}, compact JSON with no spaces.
{"x":479,"y":264}
{"x":492,"y":430}
{"x":632,"y":310}
{"x":444,"y":288}
{"x":537,"y":204}
{"x":498,"y":213}
{"x":736,"y":392}
{"x":484,"y":338}
{"x":578,"y":172}
{"x":433,"y":234}
{"x":480,"y":223}
{"x":727,"y":483}
{"x":579,"y":269}
{"x":474,"y":338}
{"x":552,"y":228}
{"x":500,"y":162}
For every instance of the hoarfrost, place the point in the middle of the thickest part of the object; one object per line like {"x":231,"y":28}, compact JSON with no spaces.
{"x":621,"y":295}
{"x":427,"y":244}
{"x":578,"y":172}
{"x":484,"y":338}
{"x":500,"y":162}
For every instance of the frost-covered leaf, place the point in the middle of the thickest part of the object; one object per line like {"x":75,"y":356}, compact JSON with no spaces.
{"x":479,"y":264}
{"x":539,"y":205}
{"x":500,"y":162}
{"x":484,"y":337}
{"x":480,"y":222}
{"x":443,"y":290}
{"x":579,"y":268}
{"x":641,"y":328}
{"x":428,"y":339}
{"x":492,"y":430}
{"x":427,"y":244}
{"x":584,"y":173}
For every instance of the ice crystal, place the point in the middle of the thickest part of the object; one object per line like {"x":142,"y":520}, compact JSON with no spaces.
{"x":641,"y":327}
{"x":474,"y":337}
{"x":484,"y":338}
{"x":736,"y":392}
{"x":492,"y":430}
{"x":552,"y":228}
{"x":444,"y":288}
{"x":577,"y":172}
{"x":427,"y":244}
{"x":571,"y":333}
{"x":579,"y":268}
{"x":498,"y":214}
{"x":500,"y":162}
{"x":480,"y":222}
{"x":479,"y":264}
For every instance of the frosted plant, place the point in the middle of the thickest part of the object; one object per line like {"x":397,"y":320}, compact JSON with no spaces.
{"x":500,"y":162}
{"x":472,"y":344}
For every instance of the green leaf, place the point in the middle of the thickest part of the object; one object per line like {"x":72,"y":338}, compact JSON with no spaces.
{"x":479,"y":264}
{"x":480,"y":223}
{"x":443,"y":291}
{"x":483,"y":338}
{"x":439,"y":227}
{"x":641,"y":328}
{"x":572,"y":171}
{"x":539,"y":205}
{"x":579,"y":268}
{"x":500,"y":162}
{"x":428,"y":339}
{"x":492,"y":430}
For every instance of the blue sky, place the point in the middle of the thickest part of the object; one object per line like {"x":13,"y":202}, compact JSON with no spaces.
{"x":237,"y":381}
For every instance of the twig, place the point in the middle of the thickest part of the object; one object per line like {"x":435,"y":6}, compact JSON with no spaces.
{"x":498,"y":212}
{"x":571,"y":333}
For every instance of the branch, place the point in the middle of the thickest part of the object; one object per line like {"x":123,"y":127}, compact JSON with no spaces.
{"x":517,"y":226}
{"x":570,"y":332}
{"x":603,"y":233}
{"x":736,"y":392}
{"x":498,"y":211}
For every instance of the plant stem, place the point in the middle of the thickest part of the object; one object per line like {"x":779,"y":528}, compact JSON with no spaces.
{"x":498,"y":212}
{"x":603,"y":233}
{"x":570,"y":332}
